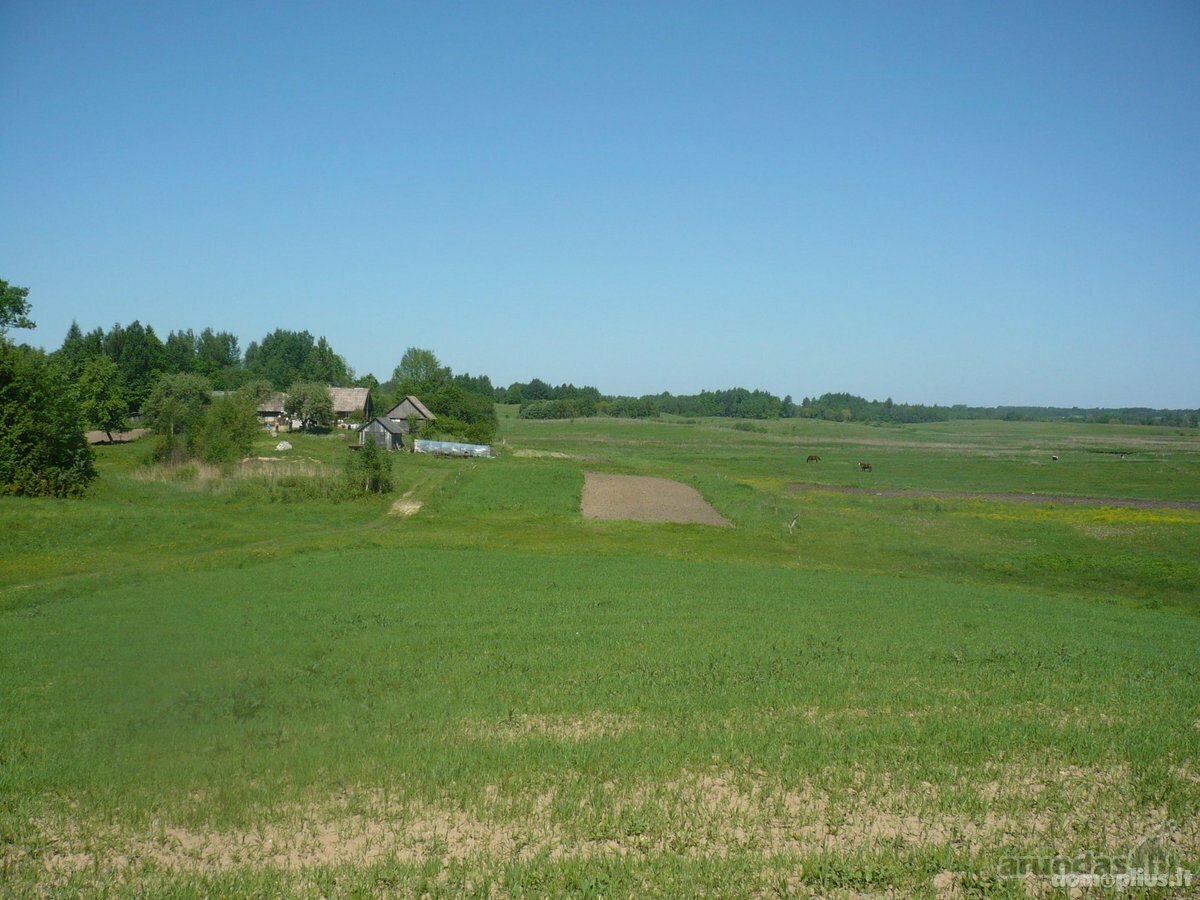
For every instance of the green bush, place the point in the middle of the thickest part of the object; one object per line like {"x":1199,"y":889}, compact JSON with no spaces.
{"x":43,"y":452}
{"x":175,"y":410}
{"x":369,"y":471}
{"x":227,"y":432}
{"x":480,"y":433}
{"x":550,"y":409}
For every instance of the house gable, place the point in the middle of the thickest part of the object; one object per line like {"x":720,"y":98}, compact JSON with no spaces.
{"x":410,"y":406}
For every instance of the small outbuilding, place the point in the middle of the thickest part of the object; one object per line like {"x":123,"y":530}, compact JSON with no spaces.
{"x":384,"y":433}
{"x":410,"y":408}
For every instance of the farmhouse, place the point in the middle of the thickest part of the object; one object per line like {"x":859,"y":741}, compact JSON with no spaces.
{"x":410,"y":408}
{"x":351,"y":403}
{"x":383,"y":433}
{"x":270,"y":411}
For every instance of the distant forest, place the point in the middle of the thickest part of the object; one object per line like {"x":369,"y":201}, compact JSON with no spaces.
{"x":539,"y":400}
{"x":283,"y":358}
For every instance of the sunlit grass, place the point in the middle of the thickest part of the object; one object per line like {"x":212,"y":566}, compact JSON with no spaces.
{"x":207,"y":691}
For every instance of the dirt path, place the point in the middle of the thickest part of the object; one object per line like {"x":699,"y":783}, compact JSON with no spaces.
{"x":644,"y":499}
{"x":1002,"y":497}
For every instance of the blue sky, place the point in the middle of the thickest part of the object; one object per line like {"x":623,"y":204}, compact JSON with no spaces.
{"x":952,"y":203}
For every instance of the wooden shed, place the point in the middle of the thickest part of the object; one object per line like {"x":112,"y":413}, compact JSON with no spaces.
{"x":383,"y":433}
{"x":410,"y":407}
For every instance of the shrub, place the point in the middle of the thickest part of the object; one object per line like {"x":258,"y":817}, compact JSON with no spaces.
{"x":43,"y":452}
{"x":227,"y":432}
{"x":550,"y":409}
{"x":480,"y":433}
{"x":175,"y":410}
{"x":369,"y":471}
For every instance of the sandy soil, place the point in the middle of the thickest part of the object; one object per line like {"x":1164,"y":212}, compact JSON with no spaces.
{"x":404,"y":507}
{"x":119,"y":437}
{"x":1060,"y":499}
{"x":645,"y":499}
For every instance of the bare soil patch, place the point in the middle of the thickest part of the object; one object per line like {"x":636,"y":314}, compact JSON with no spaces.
{"x":643,"y":499}
{"x":119,"y":437}
{"x":999,"y":497}
{"x":406,"y":506}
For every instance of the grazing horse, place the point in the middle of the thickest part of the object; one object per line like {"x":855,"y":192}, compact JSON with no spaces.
{"x":866,"y":467}
{"x":813,"y":458}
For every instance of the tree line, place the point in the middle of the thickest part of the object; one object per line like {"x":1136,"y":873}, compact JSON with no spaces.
{"x":281,"y":359}
{"x":296,"y":363}
{"x":200,"y":394}
{"x":196,"y":392}
{"x":538,"y":400}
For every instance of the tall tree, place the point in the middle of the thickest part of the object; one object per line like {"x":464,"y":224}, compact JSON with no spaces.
{"x":285,"y":357}
{"x":140,"y":356}
{"x":420,"y":373}
{"x":71,"y":356}
{"x":325,"y":366}
{"x":14,"y":307}
{"x":102,"y":401}
{"x":215,"y":351}
{"x":179,"y":351}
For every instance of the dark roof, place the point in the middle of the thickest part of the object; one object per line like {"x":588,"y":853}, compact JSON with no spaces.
{"x":388,"y":424}
{"x":273,"y":404}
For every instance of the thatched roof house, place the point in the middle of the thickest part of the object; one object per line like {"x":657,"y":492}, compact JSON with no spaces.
{"x":410,"y":407}
{"x":351,"y":402}
{"x":272,"y":407}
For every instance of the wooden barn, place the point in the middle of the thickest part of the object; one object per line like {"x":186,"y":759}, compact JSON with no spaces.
{"x":410,"y":408}
{"x":384,"y":433}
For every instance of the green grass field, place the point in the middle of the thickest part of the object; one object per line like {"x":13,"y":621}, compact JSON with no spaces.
{"x":234,"y":685}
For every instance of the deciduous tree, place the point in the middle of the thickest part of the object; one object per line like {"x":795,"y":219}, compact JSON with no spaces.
{"x":14,"y":307}
{"x":419,"y":373}
{"x":102,"y":400}
{"x":42,"y":448}
{"x":311,"y":403}
{"x":175,"y":409}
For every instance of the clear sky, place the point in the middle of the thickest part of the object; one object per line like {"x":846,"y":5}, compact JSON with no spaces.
{"x":961,"y":202}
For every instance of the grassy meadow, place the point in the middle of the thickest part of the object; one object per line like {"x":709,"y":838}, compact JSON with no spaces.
{"x":236,"y":683}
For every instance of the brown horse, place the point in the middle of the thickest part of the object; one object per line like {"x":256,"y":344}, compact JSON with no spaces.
{"x":866,"y":467}
{"x":813,"y":458}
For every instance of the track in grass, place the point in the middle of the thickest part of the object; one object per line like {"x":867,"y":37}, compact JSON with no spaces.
{"x":1001,"y":497}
